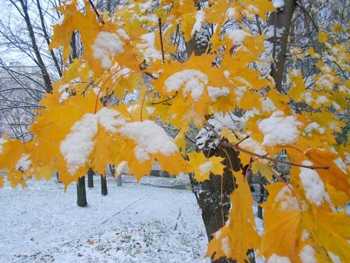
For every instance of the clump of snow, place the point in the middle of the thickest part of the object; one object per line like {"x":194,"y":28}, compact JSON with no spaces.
{"x":110,"y":118}
{"x":230,"y":12}
{"x":314,"y":126}
{"x":278,"y":259}
{"x":307,"y":254}
{"x":78,"y":144}
{"x":279,"y":130}
{"x":312,"y":184}
{"x":334,"y":257}
{"x":24,"y":163}
{"x":2,"y":142}
{"x":200,"y":16}
{"x":225,"y":245}
{"x":107,"y":45}
{"x":286,"y":199}
{"x":253,"y":145}
{"x":150,"y":138}
{"x":305,"y":235}
{"x":267,"y":105}
{"x":64,"y":96}
{"x":239,"y":92}
{"x":237,"y":36}
{"x":193,"y":81}
{"x":205,"y":167}
{"x":147,"y":47}
{"x":278,"y":4}
{"x":216,"y":92}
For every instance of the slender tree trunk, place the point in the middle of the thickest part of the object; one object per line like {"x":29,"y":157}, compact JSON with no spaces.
{"x":90,"y":178}
{"x":104,"y":190}
{"x":280,"y":20}
{"x":48,"y":39}
{"x":36,"y":50}
{"x":81,"y":192}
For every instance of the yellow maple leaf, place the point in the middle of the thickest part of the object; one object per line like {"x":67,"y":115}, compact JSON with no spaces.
{"x":202,"y":166}
{"x":239,"y":234}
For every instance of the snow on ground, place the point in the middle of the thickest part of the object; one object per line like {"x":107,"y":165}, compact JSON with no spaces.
{"x":133,"y":223}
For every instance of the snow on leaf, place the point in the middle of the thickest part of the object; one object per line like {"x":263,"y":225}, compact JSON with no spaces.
{"x":279,"y":130}
{"x":202,"y":166}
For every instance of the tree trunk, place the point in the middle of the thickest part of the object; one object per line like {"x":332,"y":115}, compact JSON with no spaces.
{"x":281,"y":19}
{"x":104,"y":190}
{"x":81,"y":192}
{"x":39,"y":60}
{"x":90,"y":178}
{"x":214,"y":199}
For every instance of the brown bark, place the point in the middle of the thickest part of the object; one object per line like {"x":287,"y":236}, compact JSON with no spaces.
{"x":280,"y":19}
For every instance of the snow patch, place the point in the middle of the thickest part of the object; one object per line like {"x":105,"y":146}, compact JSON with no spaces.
{"x":2,"y":142}
{"x":23,"y":163}
{"x":279,"y":130}
{"x":110,"y":118}
{"x":205,"y":167}
{"x":147,"y":47}
{"x":287,"y":200}
{"x":312,"y":184}
{"x":107,"y":45}
{"x":307,"y":254}
{"x":237,"y":36}
{"x":278,"y":259}
{"x":334,"y":257}
{"x":150,"y":139}
{"x":200,"y":16}
{"x":192,"y":80}
{"x":278,"y":4}
{"x":78,"y":144}
{"x":225,"y":245}
{"x":216,"y":92}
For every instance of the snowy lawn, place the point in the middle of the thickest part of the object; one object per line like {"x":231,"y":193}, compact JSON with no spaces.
{"x":133,"y":223}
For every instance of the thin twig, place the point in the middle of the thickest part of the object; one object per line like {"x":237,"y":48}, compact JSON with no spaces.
{"x":97,"y":13}
{"x":161,"y":38}
{"x":238,"y":148}
{"x":166,"y":100}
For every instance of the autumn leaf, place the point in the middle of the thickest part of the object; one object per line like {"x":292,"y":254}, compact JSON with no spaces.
{"x":202,"y":166}
{"x":239,"y":233}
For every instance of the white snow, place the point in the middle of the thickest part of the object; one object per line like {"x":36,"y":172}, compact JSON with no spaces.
{"x":78,"y":144}
{"x":134,"y":223}
{"x":278,"y":4}
{"x":278,"y":259}
{"x":334,"y":257}
{"x":107,"y":45}
{"x":205,"y":167}
{"x":307,"y":254}
{"x":110,"y":118}
{"x":64,"y":96}
{"x":279,"y":129}
{"x":314,"y":126}
{"x":150,"y":139}
{"x":267,"y":105}
{"x":2,"y":142}
{"x":147,"y":48}
{"x":200,"y":16}
{"x":230,"y":12}
{"x":216,"y":92}
{"x":312,"y":184}
{"x":193,"y":81}
{"x":305,"y":235}
{"x":237,"y":36}
{"x":225,"y":245}
{"x":286,"y":199}
{"x":23,"y":163}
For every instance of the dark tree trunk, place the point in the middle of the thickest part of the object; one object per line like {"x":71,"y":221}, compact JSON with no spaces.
{"x":39,"y":59}
{"x":280,"y":19}
{"x":104,"y":190}
{"x":81,"y":192}
{"x":214,"y":198}
{"x":90,"y":178}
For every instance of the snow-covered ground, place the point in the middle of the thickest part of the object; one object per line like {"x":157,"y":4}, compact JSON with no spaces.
{"x":133,"y":223}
